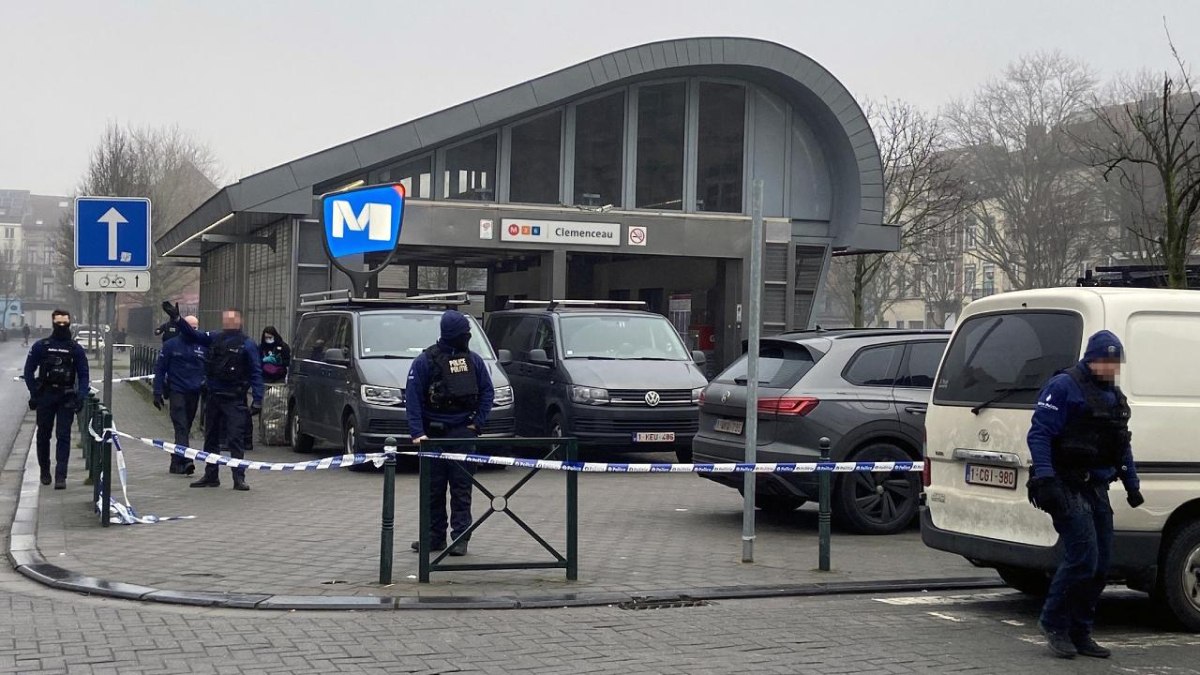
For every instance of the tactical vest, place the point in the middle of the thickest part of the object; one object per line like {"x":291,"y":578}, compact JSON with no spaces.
{"x":227,"y":361}
{"x":57,"y":368}
{"x":453,"y":387}
{"x":1098,"y":436}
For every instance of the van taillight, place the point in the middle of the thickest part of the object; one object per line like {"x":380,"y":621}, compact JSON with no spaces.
{"x":788,"y":405}
{"x":926,"y":473}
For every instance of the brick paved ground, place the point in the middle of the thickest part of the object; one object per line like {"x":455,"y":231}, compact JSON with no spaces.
{"x":318,"y":533}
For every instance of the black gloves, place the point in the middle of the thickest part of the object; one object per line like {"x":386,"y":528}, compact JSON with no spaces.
{"x":32,"y":403}
{"x":78,"y":403}
{"x":172,"y":309}
{"x":256,"y":408}
{"x":1047,"y":494}
{"x":158,"y":402}
{"x":1135,"y":498}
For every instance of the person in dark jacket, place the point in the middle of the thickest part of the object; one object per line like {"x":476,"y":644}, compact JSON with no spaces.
{"x":56,"y":374}
{"x":179,"y":376}
{"x":276,"y":355}
{"x":233,"y":369}
{"x":449,"y":395}
{"x":1080,"y":443}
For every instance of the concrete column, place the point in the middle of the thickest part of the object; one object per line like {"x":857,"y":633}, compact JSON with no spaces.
{"x":552,"y":281}
{"x":729,"y":332}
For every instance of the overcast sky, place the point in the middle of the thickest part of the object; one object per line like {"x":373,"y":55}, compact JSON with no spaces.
{"x":264,"y":82}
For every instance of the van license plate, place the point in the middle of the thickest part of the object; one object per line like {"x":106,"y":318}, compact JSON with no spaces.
{"x":729,"y":426}
{"x":654,"y":437}
{"x":993,"y":476}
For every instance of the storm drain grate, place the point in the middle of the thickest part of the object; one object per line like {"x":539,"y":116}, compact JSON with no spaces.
{"x":663,"y":603}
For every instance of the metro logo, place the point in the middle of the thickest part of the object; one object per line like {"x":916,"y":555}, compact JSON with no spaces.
{"x":366,"y":220}
{"x":514,"y":230}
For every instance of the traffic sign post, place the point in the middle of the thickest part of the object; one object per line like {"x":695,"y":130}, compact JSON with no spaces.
{"x":112,"y":254}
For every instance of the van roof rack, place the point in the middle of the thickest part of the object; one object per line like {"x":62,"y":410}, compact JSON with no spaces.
{"x":344,"y":298}
{"x":556,"y":304}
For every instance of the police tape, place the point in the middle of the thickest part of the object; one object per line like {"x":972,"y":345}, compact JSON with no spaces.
{"x":378,"y":458}
{"x":135,"y":378}
{"x":118,"y":513}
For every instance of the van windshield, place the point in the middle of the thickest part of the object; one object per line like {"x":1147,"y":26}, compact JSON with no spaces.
{"x":1004,"y":359}
{"x":621,"y":336}
{"x":405,"y":336}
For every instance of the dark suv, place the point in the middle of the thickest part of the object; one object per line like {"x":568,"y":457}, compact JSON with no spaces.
{"x":866,"y":390}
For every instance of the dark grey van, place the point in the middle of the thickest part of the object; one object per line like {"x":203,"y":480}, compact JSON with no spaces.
{"x":617,"y":378}
{"x":350,"y":367}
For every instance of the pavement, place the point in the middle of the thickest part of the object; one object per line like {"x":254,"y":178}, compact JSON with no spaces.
{"x":308,"y":539}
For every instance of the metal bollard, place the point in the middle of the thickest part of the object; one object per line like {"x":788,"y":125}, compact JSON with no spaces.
{"x":387,"y":530}
{"x":823,"y":519}
{"x":106,"y":451}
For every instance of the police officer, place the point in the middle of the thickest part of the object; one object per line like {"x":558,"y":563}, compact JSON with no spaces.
{"x":1080,"y":443}
{"x":232,"y":368}
{"x":179,"y":377}
{"x":449,"y":395}
{"x":56,"y":392}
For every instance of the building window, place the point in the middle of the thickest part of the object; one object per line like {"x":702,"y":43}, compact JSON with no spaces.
{"x":415,"y":175}
{"x":989,"y":279}
{"x":599,"y":151}
{"x":9,"y":232}
{"x":534,"y":168}
{"x":660,"y":141}
{"x":721,"y":141}
{"x":970,"y":233}
{"x":968,"y":279}
{"x":471,"y":171}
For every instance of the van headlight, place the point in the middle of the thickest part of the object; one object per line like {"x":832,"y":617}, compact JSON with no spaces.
{"x":589,"y":395}
{"x":697,"y":394}
{"x":503,"y":397}
{"x":386,"y":396}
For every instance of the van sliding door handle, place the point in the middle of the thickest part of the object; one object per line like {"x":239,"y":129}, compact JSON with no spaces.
{"x":915,"y":410}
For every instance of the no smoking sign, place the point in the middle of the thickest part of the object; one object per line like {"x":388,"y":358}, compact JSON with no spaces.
{"x":637,"y":235}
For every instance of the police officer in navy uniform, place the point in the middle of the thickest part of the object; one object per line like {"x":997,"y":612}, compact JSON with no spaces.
{"x":449,"y":395}
{"x":232,"y":369}
{"x":179,"y":378}
{"x":56,"y":392}
{"x":1080,"y":443}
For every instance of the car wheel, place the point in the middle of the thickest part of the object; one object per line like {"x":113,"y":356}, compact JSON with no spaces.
{"x":877,"y":503}
{"x":300,"y":442}
{"x":777,"y":503}
{"x":555,"y":428}
{"x":350,"y":442}
{"x":1181,"y":577}
{"x":1029,"y":582}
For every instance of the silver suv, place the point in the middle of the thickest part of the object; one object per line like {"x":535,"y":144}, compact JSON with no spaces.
{"x":866,"y":390}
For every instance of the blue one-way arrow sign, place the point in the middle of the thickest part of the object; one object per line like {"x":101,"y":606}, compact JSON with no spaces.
{"x":112,"y":232}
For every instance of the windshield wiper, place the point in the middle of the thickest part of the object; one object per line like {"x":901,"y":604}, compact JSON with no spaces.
{"x":594,"y":358}
{"x":386,"y":356}
{"x":1001,"y":394}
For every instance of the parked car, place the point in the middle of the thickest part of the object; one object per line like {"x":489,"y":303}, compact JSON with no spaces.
{"x":616,"y":378}
{"x":89,"y":338}
{"x":1004,"y":350}
{"x":350,"y":365}
{"x":865,"y":390}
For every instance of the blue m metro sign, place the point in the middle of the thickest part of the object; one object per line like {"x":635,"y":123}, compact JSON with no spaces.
{"x":366,"y":220}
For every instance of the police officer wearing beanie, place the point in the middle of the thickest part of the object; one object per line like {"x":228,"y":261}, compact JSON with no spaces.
{"x":449,"y":395}
{"x":179,"y":378}
{"x":232,"y":369}
{"x":1080,"y":443}
{"x":56,"y":373}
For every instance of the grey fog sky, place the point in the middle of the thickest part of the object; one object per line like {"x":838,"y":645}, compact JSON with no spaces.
{"x":264,"y":82}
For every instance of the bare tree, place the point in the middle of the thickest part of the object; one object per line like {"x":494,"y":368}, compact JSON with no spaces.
{"x":10,"y":277}
{"x":175,"y":172}
{"x":1036,"y":206}
{"x":939,"y":259}
{"x":922,"y":192}
{"x":1148,"y":144}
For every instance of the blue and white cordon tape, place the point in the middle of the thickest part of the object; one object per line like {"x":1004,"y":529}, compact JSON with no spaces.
{"x":377,"y":458}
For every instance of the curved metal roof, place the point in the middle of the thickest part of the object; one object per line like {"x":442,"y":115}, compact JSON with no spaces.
{"x":835,"y":115}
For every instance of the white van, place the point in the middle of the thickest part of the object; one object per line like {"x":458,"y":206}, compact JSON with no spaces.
{"x":1003,"y":350}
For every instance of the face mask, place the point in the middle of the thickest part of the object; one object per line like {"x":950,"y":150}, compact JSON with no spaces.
{"x":62,"y":331}
{"x":269,"y":340}
{"x":461,"y":343}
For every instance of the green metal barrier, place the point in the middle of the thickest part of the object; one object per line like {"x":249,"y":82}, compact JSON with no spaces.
{"x":91,"y":453}
{"x":560,"y":448}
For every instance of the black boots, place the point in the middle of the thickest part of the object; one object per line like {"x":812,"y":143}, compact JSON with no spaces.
{"x":206,"y":481}
{"x":239,"y":483}
{"x":1060,"y":645}
{"x":60,"y":483}
{"x":1086,"y":646}
{"x":46,"y":475}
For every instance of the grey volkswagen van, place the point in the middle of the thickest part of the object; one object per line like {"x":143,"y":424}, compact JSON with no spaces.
{"x":350,"y":362}
{"x":613,"y":377}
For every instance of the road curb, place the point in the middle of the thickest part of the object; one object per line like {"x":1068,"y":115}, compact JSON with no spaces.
{"x":26,"y":559}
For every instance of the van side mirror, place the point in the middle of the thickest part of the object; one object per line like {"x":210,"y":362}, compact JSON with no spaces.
{"x":337,"y":356}
{"x":539,"y":357}
{"x":504,"y":357}
{"x":699,"y":358}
